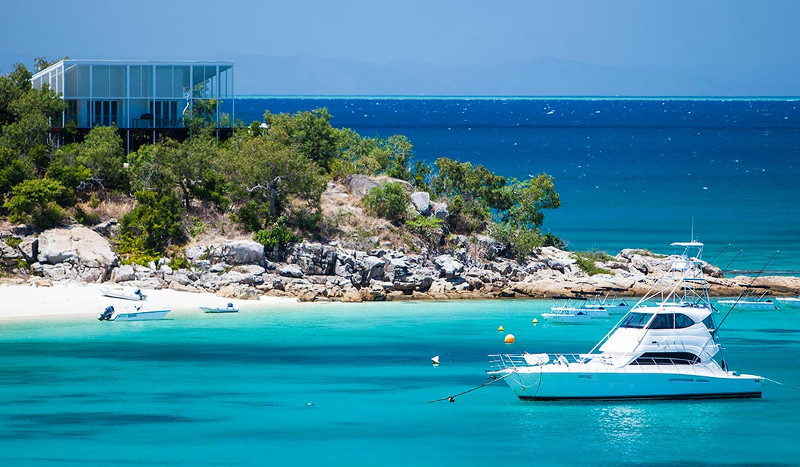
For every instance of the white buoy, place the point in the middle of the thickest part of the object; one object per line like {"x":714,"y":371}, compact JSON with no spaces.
{"x":435,"y":360}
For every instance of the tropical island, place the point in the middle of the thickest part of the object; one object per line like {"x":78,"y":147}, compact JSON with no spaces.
{"x":289,"y":207}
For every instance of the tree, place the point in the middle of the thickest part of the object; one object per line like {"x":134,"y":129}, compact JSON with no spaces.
{"x":268,"y":173}
{"x":12,"y":87}
{"x":101,"y":151}
{"x":530,"y":197}
{"x":309,"y":132}
{"x":27,"y":133}
{"x":66,"y":169}
{"x":34,"y":202}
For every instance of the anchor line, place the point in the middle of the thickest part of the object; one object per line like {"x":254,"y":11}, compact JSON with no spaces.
{"x":453,"y":397}
{"x":779,"y":383}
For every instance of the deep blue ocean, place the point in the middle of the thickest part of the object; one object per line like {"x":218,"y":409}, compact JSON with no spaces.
{"x":350,"y":384}
{"x":631,"y":173}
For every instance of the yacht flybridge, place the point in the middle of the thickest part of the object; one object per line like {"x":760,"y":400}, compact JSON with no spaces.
{"x":666,"y":347}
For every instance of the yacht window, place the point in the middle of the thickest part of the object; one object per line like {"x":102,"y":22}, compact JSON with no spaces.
{"x":682,"y":321}
{"x":663,"y":321}
{"x":635,"y":320}
{"x":667,"y":358}
{"x":709,"y":322}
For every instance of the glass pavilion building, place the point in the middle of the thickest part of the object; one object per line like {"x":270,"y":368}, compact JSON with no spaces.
{"x":141,"y":95}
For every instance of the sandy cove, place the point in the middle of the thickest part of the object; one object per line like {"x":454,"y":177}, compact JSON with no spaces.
{"x":62,"y":299}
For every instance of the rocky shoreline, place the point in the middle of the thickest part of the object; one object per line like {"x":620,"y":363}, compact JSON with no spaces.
{"x":311,"y":271}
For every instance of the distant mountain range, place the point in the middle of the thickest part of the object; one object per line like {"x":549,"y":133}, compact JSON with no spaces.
{"x":305,"y":75}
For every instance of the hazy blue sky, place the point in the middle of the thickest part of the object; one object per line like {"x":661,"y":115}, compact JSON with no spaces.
{"x":690,"y":34}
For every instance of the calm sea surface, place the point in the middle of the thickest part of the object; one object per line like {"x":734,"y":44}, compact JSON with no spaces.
{"x":632,"y":173}
{"x":344,"y":384}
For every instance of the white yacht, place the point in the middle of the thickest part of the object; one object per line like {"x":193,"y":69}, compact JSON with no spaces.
{"x":666,"y":347}
{"x":749,"y":301}
{"x":567,"y":315}
{"x":577,"y":306}
{"x":136,"y":313}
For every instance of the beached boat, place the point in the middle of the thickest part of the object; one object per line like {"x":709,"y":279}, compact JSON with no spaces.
{"x":789,"y":302}
{"x":666,"y":347}
{"x":135,"y":313}
{"x":220,"y":309}
{"x":749,"y":301}
{"x":125,"y":294}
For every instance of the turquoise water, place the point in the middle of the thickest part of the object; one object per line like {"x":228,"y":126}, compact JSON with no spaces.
{"x":338,"y":384}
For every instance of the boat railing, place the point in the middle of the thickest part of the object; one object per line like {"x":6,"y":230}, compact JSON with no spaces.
{"x":660,"y":364}
{"x":503,"y":361}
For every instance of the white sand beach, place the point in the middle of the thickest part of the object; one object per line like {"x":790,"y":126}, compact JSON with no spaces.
{"x":31,"y":301}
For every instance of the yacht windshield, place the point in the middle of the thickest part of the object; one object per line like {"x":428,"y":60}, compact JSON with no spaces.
{"x":671,"y":321}
{"x":635,"y":320}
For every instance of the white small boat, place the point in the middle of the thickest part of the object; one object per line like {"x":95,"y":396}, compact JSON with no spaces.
{"x":125,"y":294}
{"x":611,"y":305}
{"x":579,"y":307}
{"x":136,"y":313}
{"x":220,"y":309}
{"x":749,"y":301}
{"x":789,"y":302}
{"x":666,"y":347}
{"x":567,"y":315}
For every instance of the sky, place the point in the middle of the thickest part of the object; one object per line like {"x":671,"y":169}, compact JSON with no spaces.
{"x":698,"y":36}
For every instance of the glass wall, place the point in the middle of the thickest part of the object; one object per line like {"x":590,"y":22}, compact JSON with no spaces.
{"x":142,"y":95}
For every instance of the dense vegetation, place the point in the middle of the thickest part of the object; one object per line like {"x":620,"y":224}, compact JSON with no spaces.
{"x":266,"y":179}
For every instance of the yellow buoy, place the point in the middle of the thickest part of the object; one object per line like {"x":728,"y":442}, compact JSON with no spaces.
{"x":500,"y":329}
{"x":509,"y":339}
{"x":535,"y":321}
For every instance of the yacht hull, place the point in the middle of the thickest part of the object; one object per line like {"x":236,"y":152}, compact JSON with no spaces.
{"x":749,"y":305}
{"x":538,"y":385}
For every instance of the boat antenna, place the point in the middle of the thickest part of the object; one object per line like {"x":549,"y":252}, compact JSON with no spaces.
{"x":722,"y":251}
{"x":731,"y":261}
{"x":691,"y":239}
{"x":747,"y":288}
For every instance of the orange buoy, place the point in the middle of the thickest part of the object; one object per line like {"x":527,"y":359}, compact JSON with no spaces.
{"x":509,"y":339}
{"x":500,"y":329}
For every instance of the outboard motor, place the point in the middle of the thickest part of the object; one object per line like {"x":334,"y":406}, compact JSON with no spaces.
{"x":106,"y":314}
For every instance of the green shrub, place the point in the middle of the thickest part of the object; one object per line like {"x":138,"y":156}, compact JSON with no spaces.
{"x":522,"y":242}
{"x":586,"y":260}
{"x":13,"y":242}
{"x":552,"y":240}
{"x":154,"y":223}
{"x":427,"y":227}
{"x":86,"y":218}
{"x":34,"y":202}
{"x":179,"y":262}
{"x":389,"y":201}
{"x":275,"y":237}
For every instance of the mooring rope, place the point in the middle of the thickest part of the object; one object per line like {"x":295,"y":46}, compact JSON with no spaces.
{"x":453,"y":397}
{"x":779,"y":383}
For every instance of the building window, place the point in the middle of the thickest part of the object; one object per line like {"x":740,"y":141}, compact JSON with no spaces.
{"x":106,"y":113}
